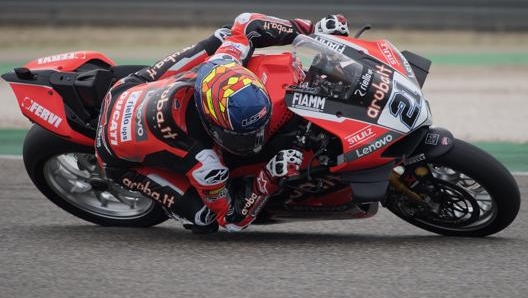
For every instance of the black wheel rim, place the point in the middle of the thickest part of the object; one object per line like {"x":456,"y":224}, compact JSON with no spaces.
{"x":457,"y":203}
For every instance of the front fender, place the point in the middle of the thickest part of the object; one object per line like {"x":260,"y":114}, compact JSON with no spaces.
{"x":437,"y":141}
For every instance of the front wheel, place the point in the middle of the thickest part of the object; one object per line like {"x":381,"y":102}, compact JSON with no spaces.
{"x":66,"y":173}
{"x":465,"y":192}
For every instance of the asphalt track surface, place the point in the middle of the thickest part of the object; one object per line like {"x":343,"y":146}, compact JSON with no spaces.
{"x":45,"y":252}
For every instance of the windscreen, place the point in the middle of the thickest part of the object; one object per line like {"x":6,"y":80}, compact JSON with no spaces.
{"x":322,"y":63}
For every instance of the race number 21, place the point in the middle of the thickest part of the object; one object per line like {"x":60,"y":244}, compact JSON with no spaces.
{"x":405,"y":105}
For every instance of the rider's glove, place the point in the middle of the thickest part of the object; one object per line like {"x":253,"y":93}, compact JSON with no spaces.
{"x":332,"y":24}
{"x":283,"y":164}
{"x":244,"y":210}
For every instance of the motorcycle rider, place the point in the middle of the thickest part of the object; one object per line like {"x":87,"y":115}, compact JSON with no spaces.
{"x":150,"y":128}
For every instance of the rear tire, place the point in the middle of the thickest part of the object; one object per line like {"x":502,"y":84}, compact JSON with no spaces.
{"x":477,"y":184}
{"x":53,"y":164}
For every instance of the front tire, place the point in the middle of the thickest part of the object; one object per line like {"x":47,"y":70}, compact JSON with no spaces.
{"x":473,"y":195}
{"x":64,"y":172}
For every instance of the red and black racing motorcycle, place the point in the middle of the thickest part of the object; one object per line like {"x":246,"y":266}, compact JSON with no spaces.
{"x":360,"y":117}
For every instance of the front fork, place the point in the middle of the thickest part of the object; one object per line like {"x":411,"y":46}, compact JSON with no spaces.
{"x":417,"y":183}
{"x":414,"y":177}
{"x":400,"y":184}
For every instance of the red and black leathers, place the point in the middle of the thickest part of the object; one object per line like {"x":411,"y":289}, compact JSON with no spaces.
{"x":261,"y":30}
{"x":150,"y":138}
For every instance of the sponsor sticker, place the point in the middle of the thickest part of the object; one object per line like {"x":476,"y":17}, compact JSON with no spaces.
{"x":408,"y":67}
{"x":128,"y":112}
{"x":278,"y":27}
{"x":248,"y":203}
{"x":114,"y":118}
{"x":161,"y":65}
{"x":261,"y":114}
{"x":161,"y":122}
{"x":414,"y":159}
{"x":334,"y":45}
{"x":386,"y":50}
{"x":432,"y":139}
{"x":381,"y":90}
{"x":364,"y":83}
{"x":360,"y":136}
{"x":446,"y":141}
{"x":375,"y":145}
{"x":140,"y":132}
{"x":61,"y":57}
{"x":38,"y":110}
{"x":369,"y":148}
{"x":146,"y":189}
{"x":140,"y":128}
{"x":308,"y":101}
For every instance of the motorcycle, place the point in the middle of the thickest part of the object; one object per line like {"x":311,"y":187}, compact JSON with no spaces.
{"x":359,"y":116}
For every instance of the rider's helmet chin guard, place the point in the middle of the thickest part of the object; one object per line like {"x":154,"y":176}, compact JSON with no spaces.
{"x":233,"y":105}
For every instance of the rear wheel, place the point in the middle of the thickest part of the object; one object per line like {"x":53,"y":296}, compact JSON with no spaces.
{"x":66,"y":173}
{"x":465,"y":192}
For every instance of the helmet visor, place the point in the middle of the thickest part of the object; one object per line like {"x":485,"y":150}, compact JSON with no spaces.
{"x":239,"y":143}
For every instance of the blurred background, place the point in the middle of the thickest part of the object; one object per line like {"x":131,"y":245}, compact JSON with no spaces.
{"x":495,"y":15}
{"x":477,"y":86}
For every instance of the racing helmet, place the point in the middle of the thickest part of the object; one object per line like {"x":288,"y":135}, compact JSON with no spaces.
{"x":233,"y":105}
